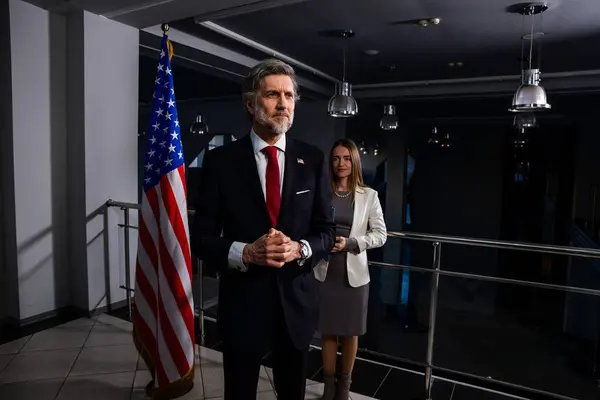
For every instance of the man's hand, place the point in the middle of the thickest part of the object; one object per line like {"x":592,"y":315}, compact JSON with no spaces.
{"x":274,"y":249}
{"x":340,"y":244}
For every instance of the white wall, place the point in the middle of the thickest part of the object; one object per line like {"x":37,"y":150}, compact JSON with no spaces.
{"x":41,"y":280}
{"x":74,"y":97}
{"x":111,"y":126}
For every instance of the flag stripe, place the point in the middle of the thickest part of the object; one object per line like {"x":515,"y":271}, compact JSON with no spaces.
{"x":179,"y":192}
{"x":168,"y":365}
{"x":178,"y":323}
{"x":174,"y":329}
{"x":146,"y":268}
{"x":175,"y":363}
{"x":178,"y":278}
{"x":146,"y":314}
{"x":171,"y":283}
{"x":146,"y":300}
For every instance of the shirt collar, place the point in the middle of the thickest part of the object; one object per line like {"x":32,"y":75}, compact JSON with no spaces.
{"x":258,"y":144}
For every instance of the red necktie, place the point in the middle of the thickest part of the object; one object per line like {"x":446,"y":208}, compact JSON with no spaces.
{"x":272,"y":184}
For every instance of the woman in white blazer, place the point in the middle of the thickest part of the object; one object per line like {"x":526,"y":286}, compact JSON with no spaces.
{"x":344,"y":277}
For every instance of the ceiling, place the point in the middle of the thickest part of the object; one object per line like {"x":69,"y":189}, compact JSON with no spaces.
{"x":144,"y":13}
{"x":482,"y":35}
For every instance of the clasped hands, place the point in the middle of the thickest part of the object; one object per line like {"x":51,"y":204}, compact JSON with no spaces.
{"x":340,"y":244}
{"x":274,"y":249}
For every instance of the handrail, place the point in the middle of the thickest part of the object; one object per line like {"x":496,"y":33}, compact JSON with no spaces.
{"x":134,"y":206}
{"x":488,"y":278}
{"x":499,"y":244}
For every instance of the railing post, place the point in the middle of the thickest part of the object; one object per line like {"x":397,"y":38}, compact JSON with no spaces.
{"x":435,"y":283}
{"x":201,"y":299}
{"x":127,"y":263}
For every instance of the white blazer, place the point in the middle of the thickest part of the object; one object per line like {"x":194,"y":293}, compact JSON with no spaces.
{"x":368,"y":228}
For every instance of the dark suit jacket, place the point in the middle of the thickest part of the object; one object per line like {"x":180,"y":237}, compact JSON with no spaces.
{"x":231,"y":202}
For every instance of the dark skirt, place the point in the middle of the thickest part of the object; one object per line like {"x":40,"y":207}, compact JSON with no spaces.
{"x":342,"y":308}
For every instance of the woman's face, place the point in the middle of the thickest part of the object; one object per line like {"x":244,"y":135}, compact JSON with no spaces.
{"x":342,"y":162}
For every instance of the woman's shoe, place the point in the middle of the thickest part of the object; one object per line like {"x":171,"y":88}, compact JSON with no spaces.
{"x":343,"y":387}
{"x":329,"y":391}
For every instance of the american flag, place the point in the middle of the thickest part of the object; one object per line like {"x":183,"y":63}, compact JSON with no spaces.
{"x":163,"y":316}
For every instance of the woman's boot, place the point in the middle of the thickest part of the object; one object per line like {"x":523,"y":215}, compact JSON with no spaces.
{"x":343,"y":387}
{"x":329,"y":389}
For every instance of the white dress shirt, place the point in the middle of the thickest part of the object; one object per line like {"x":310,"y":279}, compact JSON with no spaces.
{"x":236,"y":249}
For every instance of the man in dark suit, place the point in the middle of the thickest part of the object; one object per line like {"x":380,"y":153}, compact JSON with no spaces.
{"x":263,"y":214}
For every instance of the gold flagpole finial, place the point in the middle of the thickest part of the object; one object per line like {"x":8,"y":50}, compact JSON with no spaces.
{"x":165,"y":29}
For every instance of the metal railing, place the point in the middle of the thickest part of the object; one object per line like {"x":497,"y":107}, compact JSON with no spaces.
{"x":436,"y":271}
{"x":199,"y":308}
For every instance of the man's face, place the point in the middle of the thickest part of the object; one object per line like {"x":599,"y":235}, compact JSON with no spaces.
{"x":274,"y":104}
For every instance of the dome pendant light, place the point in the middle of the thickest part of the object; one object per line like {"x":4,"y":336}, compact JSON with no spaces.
{"x":342,"y":104}
{"x":434,"y":138}
{"x":389,"y":121}
{"x":530,"y":96}
{"x":199,"y":127}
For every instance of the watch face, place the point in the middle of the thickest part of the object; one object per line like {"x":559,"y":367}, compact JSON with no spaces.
{"x":303,"y":250}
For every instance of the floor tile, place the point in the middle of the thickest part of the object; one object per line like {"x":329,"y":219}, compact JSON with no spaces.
{"x":98,"y":387}
{"x":212,"y":377}
{"x":208,"y":356}
{"x":39,"y":365}
{"x":401,"y":385}
{"x":106,"y":334}
{"x":270,"y":395}
{"x":79,"y":322}
{"x":368,"y":377}
{"x":5,"y":359}
{"x":105,"y":360}
{"x":214,"y":384}
{"x":105,"y":319}
{"x":314,"y":392}
{"x":264,"y":381}
{"x":46,"y":389}
{"x":69,"y":337}
{"x":15,"y":346}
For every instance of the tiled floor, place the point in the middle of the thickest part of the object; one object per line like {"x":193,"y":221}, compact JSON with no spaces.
{"x":95,"y":359}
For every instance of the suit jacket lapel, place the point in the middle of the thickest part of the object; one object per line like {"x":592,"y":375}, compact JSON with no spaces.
{"x":360,"y":204}
{"x":250,"y":178}
{"x":289,"y":180}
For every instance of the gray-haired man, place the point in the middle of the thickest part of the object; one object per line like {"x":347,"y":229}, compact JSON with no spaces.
{"x":269,"y":196}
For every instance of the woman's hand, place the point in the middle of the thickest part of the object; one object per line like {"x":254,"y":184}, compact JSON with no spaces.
{"x":340,"y":244}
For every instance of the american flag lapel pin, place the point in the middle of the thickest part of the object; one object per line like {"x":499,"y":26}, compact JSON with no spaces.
{"x":300,"y":161}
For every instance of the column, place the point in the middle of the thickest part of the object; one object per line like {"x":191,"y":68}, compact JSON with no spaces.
{"x":394,"y":215}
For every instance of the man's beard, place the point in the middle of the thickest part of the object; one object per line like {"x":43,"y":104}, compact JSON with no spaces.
{"x":278,"y":126}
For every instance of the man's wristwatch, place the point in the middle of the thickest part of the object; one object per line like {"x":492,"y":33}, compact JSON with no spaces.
{"x":303,"y":250}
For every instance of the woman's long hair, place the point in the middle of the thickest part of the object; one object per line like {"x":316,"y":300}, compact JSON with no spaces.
{"x":355,"y":180}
